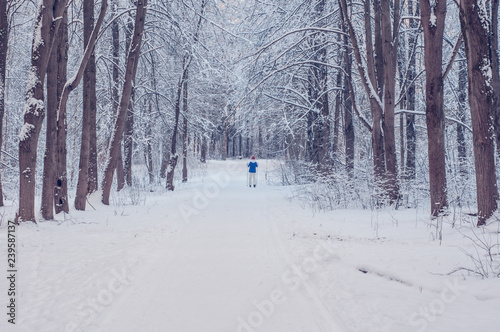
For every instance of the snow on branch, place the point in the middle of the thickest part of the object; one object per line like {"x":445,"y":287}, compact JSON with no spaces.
{"x":423,"y":113}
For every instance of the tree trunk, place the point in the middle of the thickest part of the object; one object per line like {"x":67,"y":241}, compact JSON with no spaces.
{"x":411,"y":141}
{"x":173,"y":148}
{"x":338,"y":84}
{"x":129,"y":124}
{"x":120,"y":170}
{"x":185,"y":132}
{"x":240,"y":145}
{"x":348,"y":118}
{"x":128,"y":141}
{"x":224,"y":140}
{"x":131,"y":69}
{"x":149,"y":148}
{"x":61,"y":192}
{"x":88,"y":104}
{"x":34,"y":111}
{"x":434,"y":101}
{"x":203,"y":153}
{"x":92,"y":118}
{"x":495,"y":77}
{"x":389,"y":58}
{"x":4,"y":41}
{"x":165,"y":158}
{"x":336,"y":118}
{"x":61,"y":185}
{"x":311,"y":148}
{"x":462,"y":99}
{"x":54,"y":191}
{"x":49,"y":162}
{"x":477,"y":49}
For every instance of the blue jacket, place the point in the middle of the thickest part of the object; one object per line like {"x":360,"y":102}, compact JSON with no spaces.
{"x":252,"y":167}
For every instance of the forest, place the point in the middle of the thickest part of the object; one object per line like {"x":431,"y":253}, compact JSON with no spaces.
{"x":367,"y":104}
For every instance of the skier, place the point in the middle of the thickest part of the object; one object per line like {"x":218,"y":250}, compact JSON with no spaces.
{"x":252,"y":172}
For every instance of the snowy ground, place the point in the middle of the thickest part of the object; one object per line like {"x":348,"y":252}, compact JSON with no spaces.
{"x":217,"y":256}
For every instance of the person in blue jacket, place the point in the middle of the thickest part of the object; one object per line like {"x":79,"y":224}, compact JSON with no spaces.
{"x":252,"y":172}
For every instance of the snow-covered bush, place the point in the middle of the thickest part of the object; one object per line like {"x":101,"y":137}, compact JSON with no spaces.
{"x":485,"y":249}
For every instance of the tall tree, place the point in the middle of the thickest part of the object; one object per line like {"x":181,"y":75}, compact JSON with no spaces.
{"x":433,"y":21}
{"x":462,"y":100}
{"x":389,"y":43}
{"x":46,"y":24}
{"x":495,"y":70}
{"x":476,"y":34}
{"x":82,"y":187}
{"x":371,"y":73}
{"x":411,"y":140}
{"x":92,"y":116}
{"x":128,"y":138}
{"x":173,"y":147}
{"x":148,"y":153}
{"x":185,"y":131}
{"x":348,"y":96}
{"x":318,"y":126}
{"x":63,"y":88}
{"x":121,"y":113}
{"x":186,"y":63}
{"x":89,"y":107}
{"x":56,"y":77}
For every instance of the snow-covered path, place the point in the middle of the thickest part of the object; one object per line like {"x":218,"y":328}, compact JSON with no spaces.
{"x":217,"y":256}
{"x":222,"y":270}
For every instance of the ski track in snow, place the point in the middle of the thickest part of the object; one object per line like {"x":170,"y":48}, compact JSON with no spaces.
{"x":217,"y":256}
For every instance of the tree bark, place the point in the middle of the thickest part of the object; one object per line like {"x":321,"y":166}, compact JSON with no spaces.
{"x":34,"y":111}
{"x":477,"y":49}
{"x":411,"y":141}
{"x":120,"y":170}
{"x":434,"y":100}
{"x":149,"y":148}
{"x":203,"y":153}
{"x":173,"y":148}
{"x":54,"y":192}
{"x":88,"y":104}
{"x":495,"y":77}
{"x":462,"y":100}
{"x":389,"y":43}
{"x":49,"y":160}
{"x":128,"y":140}
{"x":61,"y":186}
{"x":348,"y":118}
{"x":165,"y":158}
{"x":318,"y":116}
{"x":224,"y":140}
{"x":185,"y":131}
{"x":92,"y":118}
{"x":336,"y":118}
{"x":131,"y":69}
